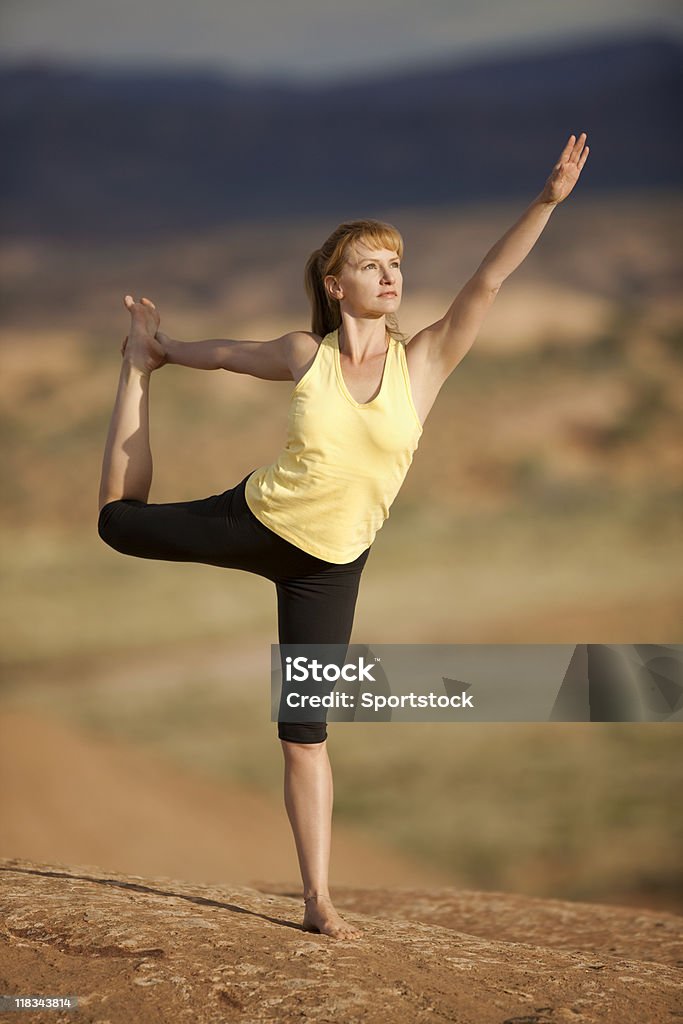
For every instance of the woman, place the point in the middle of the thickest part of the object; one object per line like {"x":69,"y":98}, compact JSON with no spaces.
{"x":307,"y":522}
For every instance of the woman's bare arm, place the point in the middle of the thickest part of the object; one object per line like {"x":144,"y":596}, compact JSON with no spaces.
{"x":268,"y":360}
{"x":516,"y":244}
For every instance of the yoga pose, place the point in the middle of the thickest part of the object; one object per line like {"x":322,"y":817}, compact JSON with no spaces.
{"x":307,"y":521}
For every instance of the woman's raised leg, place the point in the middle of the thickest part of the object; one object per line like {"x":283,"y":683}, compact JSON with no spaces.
{"x":127,"y":462}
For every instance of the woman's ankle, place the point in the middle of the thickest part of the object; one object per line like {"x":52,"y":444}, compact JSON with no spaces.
{"x":131,"y":369}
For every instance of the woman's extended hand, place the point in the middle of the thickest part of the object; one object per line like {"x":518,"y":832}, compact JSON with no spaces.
{"x":566,"y":171}
{"x":165,"y":341}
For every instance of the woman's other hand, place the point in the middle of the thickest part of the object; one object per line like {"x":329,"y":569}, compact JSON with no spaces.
{"x":166,"y":342}
{"x":566,"y":171}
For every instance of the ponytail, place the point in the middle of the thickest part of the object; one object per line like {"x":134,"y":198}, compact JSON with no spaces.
{"x":325,"y":311}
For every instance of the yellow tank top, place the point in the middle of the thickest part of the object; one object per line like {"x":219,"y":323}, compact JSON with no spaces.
{"x":330,"y":489}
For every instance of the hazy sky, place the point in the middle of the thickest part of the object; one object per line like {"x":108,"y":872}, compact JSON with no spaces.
{"x":306,"y":38}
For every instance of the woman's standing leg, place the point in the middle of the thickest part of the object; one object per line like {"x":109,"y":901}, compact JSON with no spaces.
{"x":127,"y":462}
{"x":318,"y":609}
{"x":309,"y":797}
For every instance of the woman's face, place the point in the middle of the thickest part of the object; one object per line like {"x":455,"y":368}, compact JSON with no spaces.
{"x":370,"y":283}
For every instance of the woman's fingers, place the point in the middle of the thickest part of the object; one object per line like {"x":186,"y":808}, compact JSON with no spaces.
{"x":576,"y":151}
{"x":572,"y":149}
{"x":566,"y":151}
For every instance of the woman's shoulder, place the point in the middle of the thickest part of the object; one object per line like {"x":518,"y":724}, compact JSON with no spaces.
{"x":303,"y":343}
{"x":303,"y":346}
{"x":304,"y":338}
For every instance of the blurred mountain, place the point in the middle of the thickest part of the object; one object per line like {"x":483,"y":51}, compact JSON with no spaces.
{"x":94,"y":152}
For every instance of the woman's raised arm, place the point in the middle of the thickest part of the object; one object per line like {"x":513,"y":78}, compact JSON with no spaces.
{"x":515,"y":245}
{"x":443,"y":344}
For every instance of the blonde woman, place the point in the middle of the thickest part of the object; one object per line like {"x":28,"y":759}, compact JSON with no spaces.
{"x":307,"y":521}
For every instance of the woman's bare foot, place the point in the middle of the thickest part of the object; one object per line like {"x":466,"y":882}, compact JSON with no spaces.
{"x":320,"y":916}
{"x":140,"y":348}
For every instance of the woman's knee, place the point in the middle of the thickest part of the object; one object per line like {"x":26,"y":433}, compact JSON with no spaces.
{"x":300,"y":733}
{"x":105,"y":521}
{"x":109,"y":522}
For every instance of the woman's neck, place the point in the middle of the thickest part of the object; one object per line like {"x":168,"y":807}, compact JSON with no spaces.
{"x":359,"y":346}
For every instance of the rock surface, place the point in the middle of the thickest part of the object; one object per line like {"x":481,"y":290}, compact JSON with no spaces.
{"x":150,"y":950}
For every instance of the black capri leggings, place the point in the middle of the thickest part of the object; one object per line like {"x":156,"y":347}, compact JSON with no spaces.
{"x":316,"y":600}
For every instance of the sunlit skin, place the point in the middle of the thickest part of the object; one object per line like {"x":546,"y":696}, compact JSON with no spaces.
{"x":432,"y":354}
{"x":566,"y":171}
